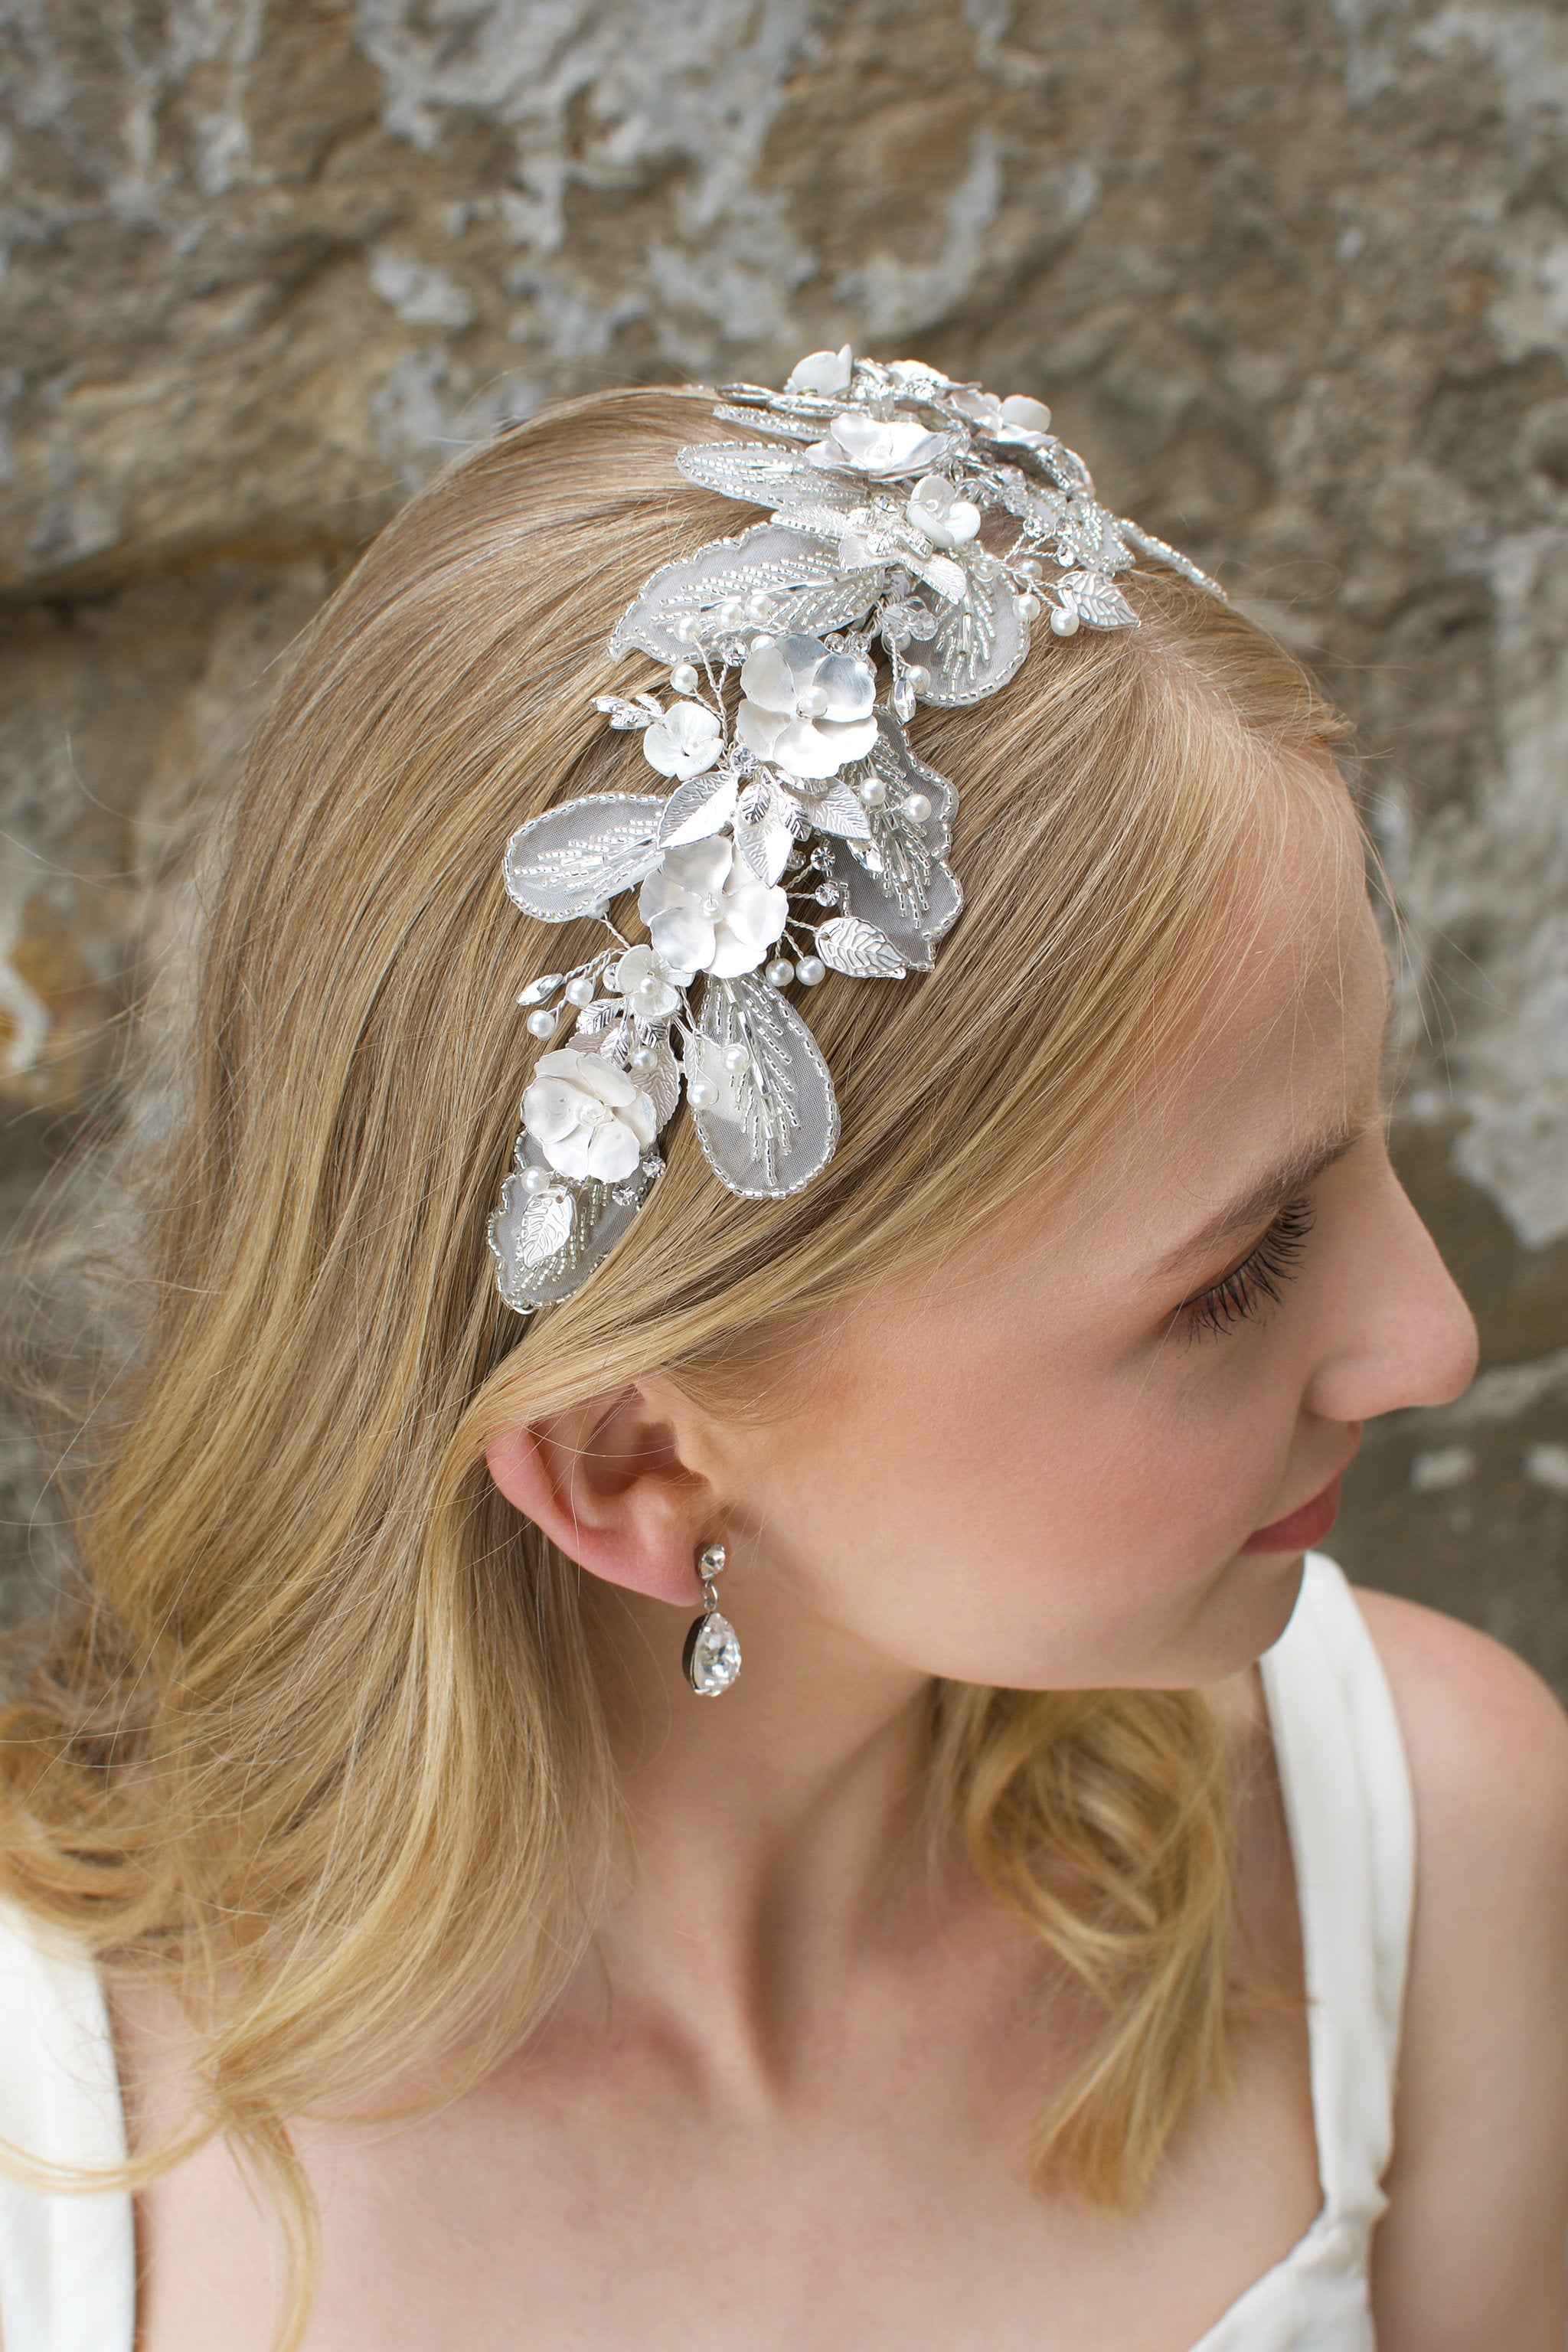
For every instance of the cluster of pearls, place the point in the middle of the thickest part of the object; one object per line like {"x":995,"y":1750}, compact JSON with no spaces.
{"x":579,"y":992}
{"x":730,"y":619}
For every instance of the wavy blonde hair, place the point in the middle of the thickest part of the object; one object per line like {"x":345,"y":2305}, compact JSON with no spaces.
{"x":321,"y":1743}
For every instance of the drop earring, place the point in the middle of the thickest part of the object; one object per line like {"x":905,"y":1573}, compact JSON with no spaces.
{"x":713,"y":1654}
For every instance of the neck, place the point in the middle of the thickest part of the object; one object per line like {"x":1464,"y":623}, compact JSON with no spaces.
{"x":777,"y":1828}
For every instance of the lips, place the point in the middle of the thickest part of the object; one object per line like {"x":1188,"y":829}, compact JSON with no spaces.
{"x":1303,"y":1527}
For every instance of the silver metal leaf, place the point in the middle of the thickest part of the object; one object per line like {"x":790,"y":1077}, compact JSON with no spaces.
{"x":949,"y":579}
{"x":850,"y":945}
{"x":574,"y":859}
{"x":544,"y":1226}
{"x":662,"y":1082}
{"x":700,"y":806}
{"x":770,"y":559}
{"x":1146,"y":541}
{"x":764,"y":847}
{"x":538,"y":990}
{"x":1096,"y":601}
{"x":977,"y":645}
{"x":774,"y":1124}
{"x":624,"y":715}
{"x":595,"y":1019}
{"x":839,"y":811}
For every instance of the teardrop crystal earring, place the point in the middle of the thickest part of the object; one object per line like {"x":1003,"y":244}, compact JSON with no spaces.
{"x":713,"y":1654}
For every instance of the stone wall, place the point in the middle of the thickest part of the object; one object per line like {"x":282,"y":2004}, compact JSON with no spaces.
{"x":1293,"y":272}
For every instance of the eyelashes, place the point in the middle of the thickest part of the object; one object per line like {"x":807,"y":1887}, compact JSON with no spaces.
{"x":1240,"y":1296}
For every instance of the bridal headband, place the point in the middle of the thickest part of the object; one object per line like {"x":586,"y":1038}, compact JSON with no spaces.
{"x":791,"y":831}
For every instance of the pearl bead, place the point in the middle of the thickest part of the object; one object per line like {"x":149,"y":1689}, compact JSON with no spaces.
{"x":919,"y":675}
{"x":542,"y":1023}
{"x":810,"y":969}
{"x":536,"y":1180}
{"x":760,"y":644}
{"x":579,"y":991}
{"x":735,"y":1057}
{"x":1032,"y":568}
{"x":759,"y":607}
{"x":1065,"y":624}
{"x":916,"y":808}
{"x":700,"y":1092}
{"x":1026,"y":608}
{"x":780,"y":973}
{"x":813,"y":703}
{"x":731,"y":612}
{"x":643,"y":1059}
{"x":648,"y":992}
{"x":873,"y":792}
{"x":684,"y":677}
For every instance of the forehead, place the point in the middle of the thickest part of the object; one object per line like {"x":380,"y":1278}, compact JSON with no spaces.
{"x":1280,"y":1041}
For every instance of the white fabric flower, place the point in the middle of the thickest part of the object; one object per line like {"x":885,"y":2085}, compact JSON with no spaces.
{"x":686,"y":742}
{"x":880,"y":447}
{"x":805,"y":709}
{"x":587,"y":1117}
{"x":648,"y":982}
{"x":827,"y":372}
{"x":706,"y":913}
{"x":940,"y":514}
{"x":1017,"y":418}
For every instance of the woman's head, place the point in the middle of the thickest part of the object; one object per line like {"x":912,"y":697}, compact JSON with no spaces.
{"x":330,"y":1723}
{"x":1052,"y":1417}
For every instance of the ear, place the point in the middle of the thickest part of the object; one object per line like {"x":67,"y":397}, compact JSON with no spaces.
{"x":607,"y":1483}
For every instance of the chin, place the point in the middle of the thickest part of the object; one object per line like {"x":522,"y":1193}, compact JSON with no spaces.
{"x":1252,"y":1605}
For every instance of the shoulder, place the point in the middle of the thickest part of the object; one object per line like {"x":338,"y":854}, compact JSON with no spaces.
{"x":1487,"y":1741}
{"x":1481,"y":2117}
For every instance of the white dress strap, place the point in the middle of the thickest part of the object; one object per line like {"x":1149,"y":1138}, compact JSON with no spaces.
{"x":1346,"y":1789}
{"x":67,"y":2264}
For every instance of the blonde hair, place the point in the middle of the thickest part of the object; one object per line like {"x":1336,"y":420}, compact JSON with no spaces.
{"x":320,"y":1742}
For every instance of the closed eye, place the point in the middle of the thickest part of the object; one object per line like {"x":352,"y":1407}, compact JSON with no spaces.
{"x":1239,"y":1296}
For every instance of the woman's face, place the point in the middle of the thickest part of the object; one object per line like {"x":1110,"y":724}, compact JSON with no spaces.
{"x":1093,"y":1453}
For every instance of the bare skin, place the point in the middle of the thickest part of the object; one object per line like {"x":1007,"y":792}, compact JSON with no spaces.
{"x":782,"y":2103}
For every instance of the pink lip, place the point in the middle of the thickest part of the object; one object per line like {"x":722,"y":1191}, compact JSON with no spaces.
{"x":1302,"y":1528}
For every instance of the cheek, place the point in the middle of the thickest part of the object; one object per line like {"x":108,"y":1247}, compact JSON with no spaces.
{"x":984,"y":1508}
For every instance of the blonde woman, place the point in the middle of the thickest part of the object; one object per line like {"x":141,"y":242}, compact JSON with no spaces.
{"x":1084,"y":1922}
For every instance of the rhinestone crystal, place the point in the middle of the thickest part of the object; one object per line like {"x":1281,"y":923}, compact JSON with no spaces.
{"x":713,"y":1658}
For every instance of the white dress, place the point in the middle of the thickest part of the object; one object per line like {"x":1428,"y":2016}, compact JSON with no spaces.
{"x":67,"y":2269}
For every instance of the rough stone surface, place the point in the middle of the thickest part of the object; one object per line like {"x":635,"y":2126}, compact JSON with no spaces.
{"x":1293,"y":272}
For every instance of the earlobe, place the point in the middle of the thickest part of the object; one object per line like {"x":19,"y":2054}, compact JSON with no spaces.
{"x":605,"y":1482}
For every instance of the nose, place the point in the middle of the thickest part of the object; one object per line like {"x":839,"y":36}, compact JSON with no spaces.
{"x":1404,"y":1335}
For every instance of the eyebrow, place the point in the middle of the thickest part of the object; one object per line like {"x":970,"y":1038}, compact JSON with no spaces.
{"x":1271,"y":1191}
